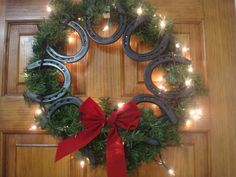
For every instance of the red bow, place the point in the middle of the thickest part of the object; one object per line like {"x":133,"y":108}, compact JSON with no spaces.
{"x":94,"y":119}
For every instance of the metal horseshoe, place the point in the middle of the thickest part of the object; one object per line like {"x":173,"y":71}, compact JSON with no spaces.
{"x":120,"y":30}
{"x":182,"y":92}
{"x":157,"y":51}
{"x":80,"y":54}
{"x":52,"y":97}
{"x":152,"y":99}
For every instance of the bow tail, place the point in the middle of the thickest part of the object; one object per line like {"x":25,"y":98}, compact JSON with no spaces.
{"x":77,"y":142}
{"x":115,"y":155}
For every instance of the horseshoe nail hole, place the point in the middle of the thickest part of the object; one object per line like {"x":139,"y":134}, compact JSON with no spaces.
{"x":151,"y":107}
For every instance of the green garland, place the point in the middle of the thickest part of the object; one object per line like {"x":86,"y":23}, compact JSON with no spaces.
{"x":66,"y":122}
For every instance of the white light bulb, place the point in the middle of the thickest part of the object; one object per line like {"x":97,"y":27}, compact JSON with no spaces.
{"x":177,"y":45}
{"x":82,"y":163}
{"x":139,"y":11}
{"x":160,"y":79}
{"x":106,"y":28}
{"x":188,"y":123}
{"x":185,"y":49}
{"x":163,"y":24}
{"x":199,"y":111}
{"x":71,"y":39}
{"x":196,"y":114}
{"x":162,"y":87}
{"x":188,"y":82}
{"x":26,"y":75}
{"x":49,"y":9}
{"x":33,"y":127}
{"x":38,"y":112}
{"x":171,"y":172}
{"x":190,"y":69}
{"x":154,"y":15}
{"x":120,"y":105}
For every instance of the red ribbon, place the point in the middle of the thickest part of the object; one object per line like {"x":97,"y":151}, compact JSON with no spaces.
{"x":94,"y":119}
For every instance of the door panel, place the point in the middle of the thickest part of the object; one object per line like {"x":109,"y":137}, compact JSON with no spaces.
{"x":19,"y":52}
{"x":33,"y":155}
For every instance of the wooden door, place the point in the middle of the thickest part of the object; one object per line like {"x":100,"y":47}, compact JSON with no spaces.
{"x":207,"y":27}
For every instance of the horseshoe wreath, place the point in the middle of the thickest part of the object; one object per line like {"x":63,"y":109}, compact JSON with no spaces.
{"x":123,"y":137}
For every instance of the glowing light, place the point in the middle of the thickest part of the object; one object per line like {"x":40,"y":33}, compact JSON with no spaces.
{"x":120,"y":105}
{"x":154,"y":106}
{"x":48,"y":8}
{"x":185,"y":49}
{"x":71,"y":39}
{"x":162,"y":87}
{"x":79,"y":18}
{"x":163,"y":23}
{"x":139,"y":11}
{"x":160,"y":79}
{"x":188,"y":123}
{"x":75,"y":33}
{"x":82,"y":163}
{"x":171,"y":172}
{"x":177,"y":45}
{"x":190,"y":69}
{"x":188,"y":82}
{"x":38,"y":112}
{"x":33,"y":127}
{"x":154,"y":15}
{"x":196,"y":114}
{"x":106,"y":28}
{"x":26,"y":75}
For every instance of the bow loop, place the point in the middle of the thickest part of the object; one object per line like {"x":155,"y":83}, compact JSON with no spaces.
{"x":91,"y":114}
{"x":126,"y":117}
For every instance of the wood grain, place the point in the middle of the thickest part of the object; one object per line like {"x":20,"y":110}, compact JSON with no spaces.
{"x":26,"y":10}
{"x":18,"y":54}
{"x":1,"y":154}
{"x":25,"y":53}
{"x":27,"y":156}
{"x":2,"y":41}
{"x":220,"y":44}
{"x":181,"y":9}
{"x":33,"y":160}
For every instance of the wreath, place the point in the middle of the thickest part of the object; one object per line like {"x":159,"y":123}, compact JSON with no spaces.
{"x":106,"y":133}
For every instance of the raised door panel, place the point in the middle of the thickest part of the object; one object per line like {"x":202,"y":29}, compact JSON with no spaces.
{"x":19,"y":49}
{"x":14,"y":113}
{"x":32,"y":155}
